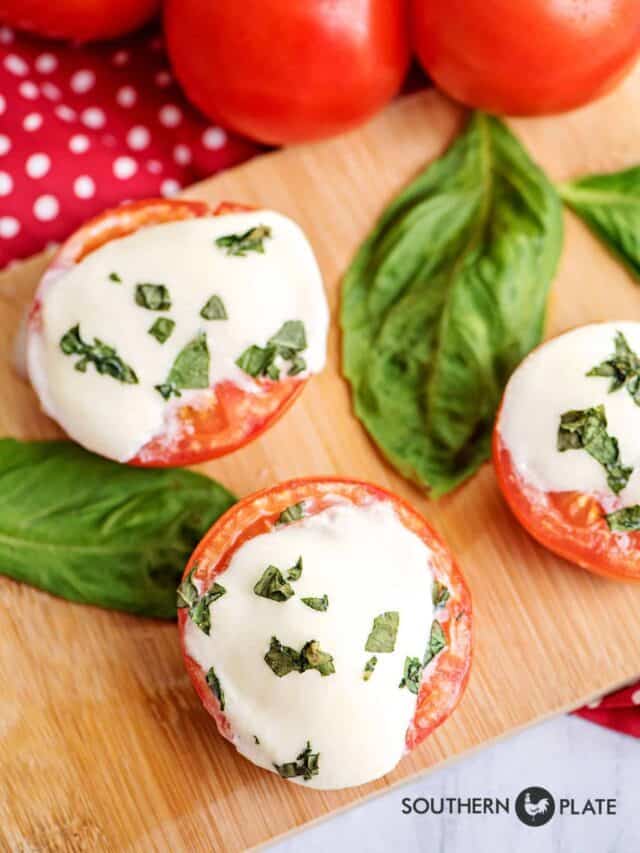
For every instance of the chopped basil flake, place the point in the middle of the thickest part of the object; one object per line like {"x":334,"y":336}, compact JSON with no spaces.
{"x":104,"y":358}
{"x":412,"y":675}
{"x":624,"y":520}
{"x":287,"y":343}
{"x":190,"y":369}
{"x":256,"y":740}
{"x":383,"y":632}
{"x":113,"y":276}
{"x":162,"y":329}
{"x":214,"y":309}
{"x":295,"y":571}
{"x":437,"y":642}
{"x":283,"y":659}
{"x":586,"y":429}
{"x":292,"y":513}
{"x":307,"y":764}
{"x":623,"y":368}
{"x":155,"y":297}
{"x":251,"y":241}
{"x":317,"y":603}
{"x":272,"y":585}
{"x":439,"y":594}
{"x":369,"y":666}
{"x":187,"y":596}
{"x":214,"y":686}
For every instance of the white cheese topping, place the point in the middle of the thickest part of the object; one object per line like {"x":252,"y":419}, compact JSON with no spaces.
{"x":259,"y":292}
{"x":552,"y":380}
{"x":367,"y":563}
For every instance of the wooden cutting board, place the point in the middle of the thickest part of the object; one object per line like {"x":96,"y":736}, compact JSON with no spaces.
{"x":104,"y":743}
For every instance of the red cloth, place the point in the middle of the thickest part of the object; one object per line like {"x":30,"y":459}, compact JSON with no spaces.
{"x":84,"y":128}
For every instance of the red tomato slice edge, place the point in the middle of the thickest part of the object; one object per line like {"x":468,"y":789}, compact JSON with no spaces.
{"x":570,"y":524}
{"x":235,"y":416}
{"x":444,"y":680}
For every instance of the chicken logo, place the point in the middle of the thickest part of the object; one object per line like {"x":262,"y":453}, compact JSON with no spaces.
{"x":535,"y":806}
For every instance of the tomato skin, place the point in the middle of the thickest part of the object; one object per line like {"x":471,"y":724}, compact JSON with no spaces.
{"x":235,"y":417}
{"x":78,"y":20}
{"x":526,"y":57}
{"x":570,"y":524}
{"x":281,"y":71}
{"x":444,"y":680}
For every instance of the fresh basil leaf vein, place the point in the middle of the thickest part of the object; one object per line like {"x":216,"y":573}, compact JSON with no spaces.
{"x":623,"y":368}
{"x":214,"y":309}
{"x":104,"y":358}
{"x":214,"y":685}
{"x":609,"y":204}
{"x":586,"y":429}
{"x":382,"y":637}
{"x":155,"y":297}
{"x":190,"y":370}
{"x":445,"y":298}
{"x":161,"y":329}
{"x":321,"y":604}
{"x":96,"y":532}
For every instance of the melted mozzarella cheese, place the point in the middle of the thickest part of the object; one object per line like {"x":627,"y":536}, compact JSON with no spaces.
{"x":552,"y":380}
{"x":367,"y":563}
{"x":259,"y":291}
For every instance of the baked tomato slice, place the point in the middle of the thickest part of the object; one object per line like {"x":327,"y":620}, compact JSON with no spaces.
{"x":571,"y":524}
{"x":234,"y":416}
{"x":443,"y":680}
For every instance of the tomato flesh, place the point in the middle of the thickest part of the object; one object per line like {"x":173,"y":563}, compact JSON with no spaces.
{"x":446,"y":676}
{"x":235,"y":416}
{"x":570,"y":524}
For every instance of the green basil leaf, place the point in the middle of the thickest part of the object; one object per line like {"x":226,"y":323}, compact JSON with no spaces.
{"x":190,"y":370}
{"x":317,"y":603}
{"x":383,"y":633}
{"x":412,"y":675}
{"x":369,"y":666}
{"x":214,"y":309}
{"x":283,"y":659}
{"x":439,"y":594}
{"x":291,"y":335}
{"x":624,"y":520}
{"x":609,"y":205}
{"x":292,"y":513}
{"x":199,"y":609}
{"x":251,"y":241}
{"x":214,"y":685}
{"x":437,"y":642}
{"x":258,"y":361}
{"x":97,"y":532}
{"x":103,"y":357}
{"x":295,"y":571}
{"x":623,"y":368}
{"x":272,"y":585}
{"x":155,"y":297}
{"x":307,"y":765}
{"x":113,"y":276}
{"x":586,"y":429}
{"x":445,"y":298}
{"x":287,"y":343}
{"x":162,"y":329}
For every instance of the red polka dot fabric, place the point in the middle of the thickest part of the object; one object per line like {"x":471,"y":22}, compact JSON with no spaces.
{"x":85,"y":128}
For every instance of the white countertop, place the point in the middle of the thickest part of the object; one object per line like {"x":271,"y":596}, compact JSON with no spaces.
{"x":568,"y":756}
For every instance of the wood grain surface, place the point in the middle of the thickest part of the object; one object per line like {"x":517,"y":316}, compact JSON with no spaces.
{"x":104,"y":744}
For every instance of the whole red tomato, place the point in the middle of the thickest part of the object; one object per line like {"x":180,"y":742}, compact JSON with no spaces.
{"x":526,"y":56}
{"x":78,"y":20}
{"x":284,"y":71}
